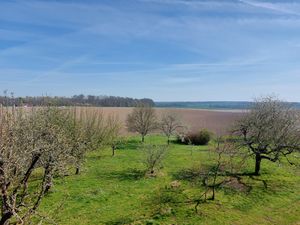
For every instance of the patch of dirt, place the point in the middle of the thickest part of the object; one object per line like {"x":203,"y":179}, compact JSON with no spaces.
{"x":175,"y":184}
{"x":237,"y":185}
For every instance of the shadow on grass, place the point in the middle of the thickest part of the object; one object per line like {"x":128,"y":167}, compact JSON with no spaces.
{"x":177,"y":142}
{"x":258,"y":179}
{"x":231,"y":180}
{"x":120,"y":221}
{"x":129,"y":174}
{"x":192,"y":146}
{"x":96,"y":157}
{"x":131,"y":144}
{"x":252,"y":176}
{"x":189,"y":174}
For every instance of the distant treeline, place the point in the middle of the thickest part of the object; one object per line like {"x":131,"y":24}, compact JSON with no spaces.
{"x":213,"y":105}
{"x":76,"y":100}
{"x":206,"y":105}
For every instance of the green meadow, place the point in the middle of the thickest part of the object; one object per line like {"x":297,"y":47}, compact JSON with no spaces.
{"x":115,"y":190}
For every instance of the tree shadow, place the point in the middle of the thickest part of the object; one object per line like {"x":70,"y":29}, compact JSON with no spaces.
{"x":129,"y":145}
{"x":258,"y":179}
{"x":188,"y":174}
{"x":129,"y":174}
{"x":251,"y":175}
{"x":231,"y":180}
{"x":177,"y":142}
{"x":96,"y":157}
{"x":120,"y":221}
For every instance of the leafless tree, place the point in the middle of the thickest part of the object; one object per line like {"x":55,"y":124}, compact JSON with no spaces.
{"x":270,"y":131}
{"x":95,"y":128}
{"x":87,"y":131}
{"x":169,"y":124}
{"x":142,"y":120}
{"x":227,"y":162}
{"x":50,"y":133}
{"x":47,"y":139}
{"x":113,"y":137}
{"x":29,"y":140}
{"x":153,"y":156}
{"x":223,"y":168}
{"x":79,"y":141}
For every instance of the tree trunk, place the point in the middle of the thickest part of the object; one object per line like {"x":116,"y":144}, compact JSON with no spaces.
{"x":48,"y":177}
{"x":257,"y":164}
{"x":168,"y":140}
{"x":213,"y":194}
{"x":6,"y":211}
{"x":113,"y":150}
{"x":143,"y":138}
{"x":77,"y":170}
{"x":5,"y":218}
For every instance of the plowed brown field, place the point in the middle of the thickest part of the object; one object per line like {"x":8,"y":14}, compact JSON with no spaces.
{"x":217,"y":121}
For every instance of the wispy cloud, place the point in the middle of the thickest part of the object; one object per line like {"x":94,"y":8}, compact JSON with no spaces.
{"x":286,"y":8}
{"x":155,"y":47}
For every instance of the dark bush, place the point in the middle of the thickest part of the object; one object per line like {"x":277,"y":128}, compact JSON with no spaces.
{"x":197,"y":138}
{"x":180,"y":139}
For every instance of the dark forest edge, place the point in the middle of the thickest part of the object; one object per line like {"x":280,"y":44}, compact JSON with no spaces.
{"x":76,"y":100}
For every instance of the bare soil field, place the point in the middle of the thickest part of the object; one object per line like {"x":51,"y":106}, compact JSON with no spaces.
{"x":217,"y":121}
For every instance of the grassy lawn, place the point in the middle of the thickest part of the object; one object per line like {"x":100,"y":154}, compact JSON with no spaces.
{"x":113,"y":190}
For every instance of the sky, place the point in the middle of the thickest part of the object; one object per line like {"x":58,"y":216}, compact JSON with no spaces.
{"x":167,"y":50}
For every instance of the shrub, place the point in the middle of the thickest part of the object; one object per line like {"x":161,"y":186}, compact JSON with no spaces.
{"x":200,"y":138}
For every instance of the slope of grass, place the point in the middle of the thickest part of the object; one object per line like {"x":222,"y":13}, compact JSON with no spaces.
{"x":114,"y":190}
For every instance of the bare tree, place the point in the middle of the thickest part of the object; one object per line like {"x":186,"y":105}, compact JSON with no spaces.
{"x":29,"y":140}
{"x":169,"y":124}
{"x":270,"y":131}
{"x":47,"y":139}
{"x":227,"y":162}
{"x":153,"y":156}
{"x":142,"y":120}
{"x":94,"y":128}
{"x":79,"y":141}
{"x":87,"y":131}
{"x":50,"y":134}
{"x":113,"y":137}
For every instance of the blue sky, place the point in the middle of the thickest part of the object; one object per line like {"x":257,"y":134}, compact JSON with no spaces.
{"x":162,"y":49}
